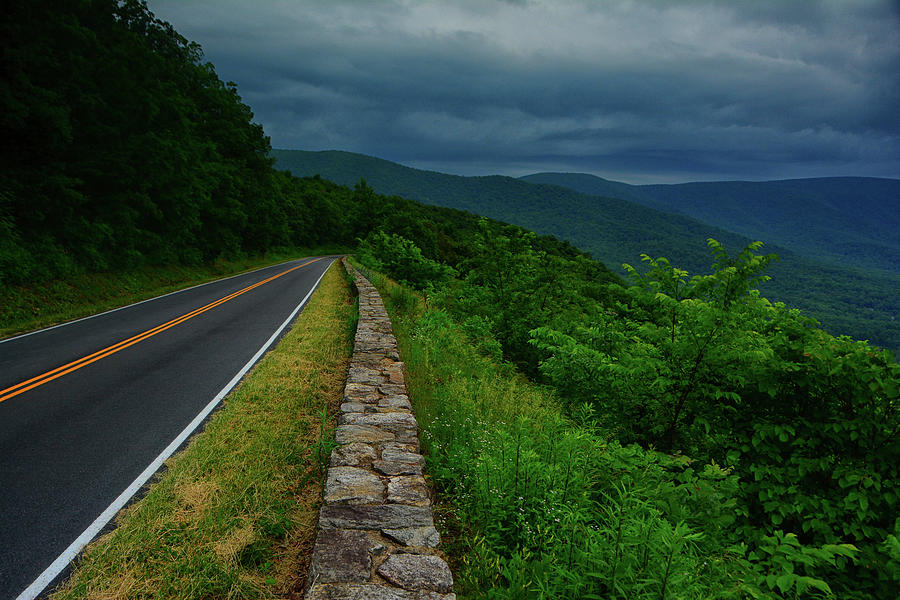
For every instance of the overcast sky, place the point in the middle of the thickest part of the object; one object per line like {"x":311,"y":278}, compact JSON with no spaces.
{"x":640,"y":91}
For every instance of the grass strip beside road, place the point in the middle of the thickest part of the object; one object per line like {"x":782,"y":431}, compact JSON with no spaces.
{"x":234,"y":514}
{"x":466,"y":403}
{"x":26,"y":308}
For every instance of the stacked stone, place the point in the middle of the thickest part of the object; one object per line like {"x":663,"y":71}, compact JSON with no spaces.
{"x":376,"y":537}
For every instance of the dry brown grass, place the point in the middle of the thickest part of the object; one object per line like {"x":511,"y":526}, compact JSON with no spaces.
{"x":193,"y":498}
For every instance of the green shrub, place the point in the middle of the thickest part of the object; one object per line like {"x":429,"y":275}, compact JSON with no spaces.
{"x":546,"y":506}
{"x":402,"y":259}
{"x":706,"y":367}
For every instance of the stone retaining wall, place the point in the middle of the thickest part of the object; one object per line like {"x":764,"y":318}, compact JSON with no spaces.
{"x":376,"y":538}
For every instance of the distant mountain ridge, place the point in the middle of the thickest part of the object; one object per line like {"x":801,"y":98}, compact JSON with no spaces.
{"x":849,"y":300}
{"x":631,"y":228}
{"x":854,"y":220}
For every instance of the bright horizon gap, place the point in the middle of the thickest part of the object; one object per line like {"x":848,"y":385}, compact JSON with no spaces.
{"x":627,"y":178}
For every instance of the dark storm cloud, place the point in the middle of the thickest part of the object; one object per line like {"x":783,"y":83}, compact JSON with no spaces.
{"x":637,"y":90}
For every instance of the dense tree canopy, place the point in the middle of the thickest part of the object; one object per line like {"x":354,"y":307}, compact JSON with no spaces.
{"x":122,"y":146}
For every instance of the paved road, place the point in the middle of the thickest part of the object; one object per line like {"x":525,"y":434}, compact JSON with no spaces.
{"x":72,"y":444}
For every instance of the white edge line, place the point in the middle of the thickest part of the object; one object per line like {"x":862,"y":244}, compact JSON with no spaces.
{"x":112,"y":310}
{"x":57,"y":566}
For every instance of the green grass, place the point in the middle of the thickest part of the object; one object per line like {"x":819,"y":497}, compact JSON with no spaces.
{"x":234,"y":514}
{"x":28,"y":307}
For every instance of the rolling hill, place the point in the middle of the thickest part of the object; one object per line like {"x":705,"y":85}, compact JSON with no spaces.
{"x":848,"y":220}
{"x":846,"y":299}
{"x":612,"y":230}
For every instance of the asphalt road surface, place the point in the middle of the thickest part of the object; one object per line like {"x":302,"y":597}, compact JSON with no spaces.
{"x":72,"y":440}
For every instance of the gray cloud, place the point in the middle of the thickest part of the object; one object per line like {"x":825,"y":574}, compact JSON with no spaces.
{"x":643,"y":91}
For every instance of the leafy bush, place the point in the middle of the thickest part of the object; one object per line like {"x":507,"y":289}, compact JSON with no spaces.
{"x":512,"y":284}
{"x":706,"y":367}
{"x":545,"y":506}
{"x":403,"y":260}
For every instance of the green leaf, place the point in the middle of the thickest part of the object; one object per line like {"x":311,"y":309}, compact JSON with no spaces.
{"x":816,"y":583}
{"x":785,"y":582}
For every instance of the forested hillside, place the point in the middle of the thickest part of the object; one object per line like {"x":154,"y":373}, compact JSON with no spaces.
{"x":122,"y":147}
{"x":612,"y":230}
{"x":847,"y":300}
{"x":845,"y":220}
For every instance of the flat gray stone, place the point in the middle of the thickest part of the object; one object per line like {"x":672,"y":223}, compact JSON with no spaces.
{"x":360,"y":392}
{"x":382,"y":516}
{"x":395,"y":374}
{"x":368,"y":591}
{"x":417,"y":572}
{"x":347,"y":434}
{"x":388,"y":409}
{"x":365,"y":376}
{"x":390,"y":421}
{"x":374,"y":325}
{"x":402,"y":424}
{"x":353,"y":486}
{"x":408,"y":489}
{"x":395,"y":402}
{"x":427,"y":537}
{"x":397,"y":468}
{"x":399,"y":453}
{"x":370,"y":360}
{"x":389,"y":351}
{"x":356,"y":407}
{"x":377,"y":321}
{"x":392,"y":389}
{"x":341,"y":555}
{"x":356,"y":454}
{"x":366,"y":337}
{"x":375,"y":342}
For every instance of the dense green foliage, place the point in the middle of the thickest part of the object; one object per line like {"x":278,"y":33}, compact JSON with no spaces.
{"x":121,"y":146}
{"x":538,"y":505}
{"x":780,"y":441}
{"x":400,"y":256}
{"x":707,"y":368}
{"x":510,"y":280}
{"x":846,"y":299}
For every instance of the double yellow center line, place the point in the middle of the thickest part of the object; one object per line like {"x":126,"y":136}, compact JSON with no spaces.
{"x":110,"y":350}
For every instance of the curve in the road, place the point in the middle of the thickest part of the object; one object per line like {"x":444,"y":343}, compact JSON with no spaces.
{"x":34,"y":382}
